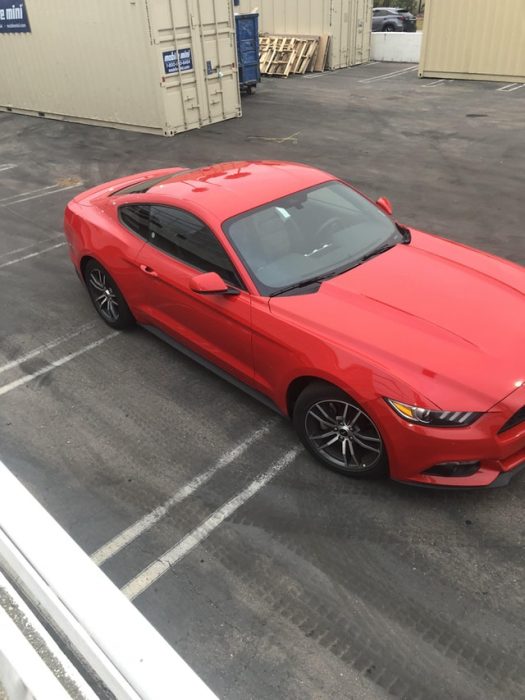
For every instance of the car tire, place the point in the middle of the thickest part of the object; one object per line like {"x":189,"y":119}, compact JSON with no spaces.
{"x":389,"y":28}
{"x":107,"y":297}
{"x":339,"y":432}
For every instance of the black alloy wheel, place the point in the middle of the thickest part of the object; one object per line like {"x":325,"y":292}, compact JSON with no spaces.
{"x":337,"y":431}
{"x":107,"y":297}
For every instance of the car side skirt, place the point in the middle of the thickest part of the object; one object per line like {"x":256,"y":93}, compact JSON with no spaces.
{"x":262,"y":398}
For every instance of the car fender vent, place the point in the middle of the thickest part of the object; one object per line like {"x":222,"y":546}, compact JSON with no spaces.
{"x":516,"y":419}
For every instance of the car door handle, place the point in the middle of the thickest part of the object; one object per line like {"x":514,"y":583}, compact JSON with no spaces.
{"x":148,"y":271}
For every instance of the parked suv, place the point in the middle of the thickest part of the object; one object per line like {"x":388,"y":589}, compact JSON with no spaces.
{"x":392,"y":19}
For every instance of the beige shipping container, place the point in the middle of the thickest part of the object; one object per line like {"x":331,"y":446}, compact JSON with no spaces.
{"x":474,"y":39}
{"x":160,"y":66}
{"x":348,"y":21}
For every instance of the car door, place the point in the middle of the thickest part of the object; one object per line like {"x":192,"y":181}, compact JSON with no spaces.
{"x":216,"y":326}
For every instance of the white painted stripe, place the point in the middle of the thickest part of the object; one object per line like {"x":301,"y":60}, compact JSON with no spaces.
{"x":141,"y":526}
{"x":386,"y":76}
{"x":339,"y":70}
{"x":32,"y":255}
{"x":517,"y":87}
{"x":54,"y":364}
{"x":436,"y":82}
{"x":51,"y":646}
{"x":504,"y":88}
{"x":23,"y":194}
{"x":46,"y":346}
{"x":318,"y":75}
{"x":31,"y":245}
{"x":159,"y":567}
{"x":7,"y":166}
{"x":36,"y":196}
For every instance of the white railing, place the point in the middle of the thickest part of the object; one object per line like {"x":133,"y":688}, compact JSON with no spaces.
{"x":100,"y":625}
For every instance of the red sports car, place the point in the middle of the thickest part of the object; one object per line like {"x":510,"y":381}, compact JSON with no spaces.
{"x":392,"y":351}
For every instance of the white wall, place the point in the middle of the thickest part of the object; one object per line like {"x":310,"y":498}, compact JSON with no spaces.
{"x":403,"y":47}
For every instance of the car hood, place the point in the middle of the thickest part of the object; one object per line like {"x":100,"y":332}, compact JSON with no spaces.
{"x":447,"y":319}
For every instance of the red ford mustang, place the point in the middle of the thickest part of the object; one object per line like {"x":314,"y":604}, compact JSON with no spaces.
{"x":391,"y":350}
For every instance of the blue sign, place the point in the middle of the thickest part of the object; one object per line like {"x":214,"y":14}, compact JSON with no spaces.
{"x":13,"y":17}
{"x":177,"y":61}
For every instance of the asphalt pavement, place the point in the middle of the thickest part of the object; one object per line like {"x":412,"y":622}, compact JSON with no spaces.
{"x":280,"y":579}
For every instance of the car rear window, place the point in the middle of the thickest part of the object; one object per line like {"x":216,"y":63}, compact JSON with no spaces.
{"x":145,"y":185}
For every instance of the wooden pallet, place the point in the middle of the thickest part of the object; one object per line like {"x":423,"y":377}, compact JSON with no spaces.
{"x":281,"y":55}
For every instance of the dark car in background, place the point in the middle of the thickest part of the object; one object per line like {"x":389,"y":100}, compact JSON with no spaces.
{"x":392,"y":19}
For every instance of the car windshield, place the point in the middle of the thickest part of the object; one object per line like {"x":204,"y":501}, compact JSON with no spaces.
{"x":318,"y":232}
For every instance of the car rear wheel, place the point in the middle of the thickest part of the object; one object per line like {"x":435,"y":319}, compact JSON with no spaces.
{"x":339,"y":433}
{"x":107,"y":297}
{"x":389,"y":28}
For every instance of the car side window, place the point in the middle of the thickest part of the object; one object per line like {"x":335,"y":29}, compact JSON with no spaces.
{"x":181,"y":235}
{"x":136,"y":218}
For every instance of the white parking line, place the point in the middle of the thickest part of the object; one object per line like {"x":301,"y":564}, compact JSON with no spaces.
{"x":436,"y":82}
{"x":54,"y":364}
{"x":328,"y":71}
{"x":31,"y":245}
{"x":127,"y":536}
{"x":511,"y":87}
{"x":35,"y":194}
{"x":23,"y":194}
{"x":159,"y":567}
{"x":47,"y":346}
{"x":7,"y":166}
{"x":32,"y":255}
{"x":386,"y":76}
{"x":318,"y":75}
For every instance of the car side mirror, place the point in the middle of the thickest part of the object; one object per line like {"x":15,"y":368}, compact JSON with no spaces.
{"x":210,"y":283}
{"x":386,"y":205}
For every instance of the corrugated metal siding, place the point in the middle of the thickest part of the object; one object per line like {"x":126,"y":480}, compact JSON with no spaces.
{"x":101,"y":61}
{"x":348,"y":21}
{"x":201,"y":96}
{"x":96,"y":66}
{"x":476,"y":39}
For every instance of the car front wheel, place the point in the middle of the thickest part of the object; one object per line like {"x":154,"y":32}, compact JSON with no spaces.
{"x":107,"y":297}
{"x":339,"y":433}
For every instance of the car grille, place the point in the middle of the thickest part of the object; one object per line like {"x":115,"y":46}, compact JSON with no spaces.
{"x":516,"y":419}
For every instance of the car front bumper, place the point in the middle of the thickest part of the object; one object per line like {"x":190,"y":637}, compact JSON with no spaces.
{"x":414,"y":449}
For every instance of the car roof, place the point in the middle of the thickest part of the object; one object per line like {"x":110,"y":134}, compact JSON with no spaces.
{"x":228,"y":189}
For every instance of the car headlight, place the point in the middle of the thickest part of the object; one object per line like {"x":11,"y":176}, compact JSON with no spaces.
{"x":438,"y":419}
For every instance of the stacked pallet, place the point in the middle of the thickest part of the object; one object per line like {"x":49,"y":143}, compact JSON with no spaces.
{"x":281,"y":55}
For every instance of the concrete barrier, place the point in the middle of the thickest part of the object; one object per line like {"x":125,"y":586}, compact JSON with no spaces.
{"x":399,"y":47}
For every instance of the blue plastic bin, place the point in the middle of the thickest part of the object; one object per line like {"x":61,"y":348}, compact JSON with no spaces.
{"x":247,"y":28}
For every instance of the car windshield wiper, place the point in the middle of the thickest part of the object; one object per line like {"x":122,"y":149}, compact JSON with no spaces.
{"x":376,"y":251}
{"x":305,"y":283}
{"x":387,"y":246}
{"x":405,"y":232}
